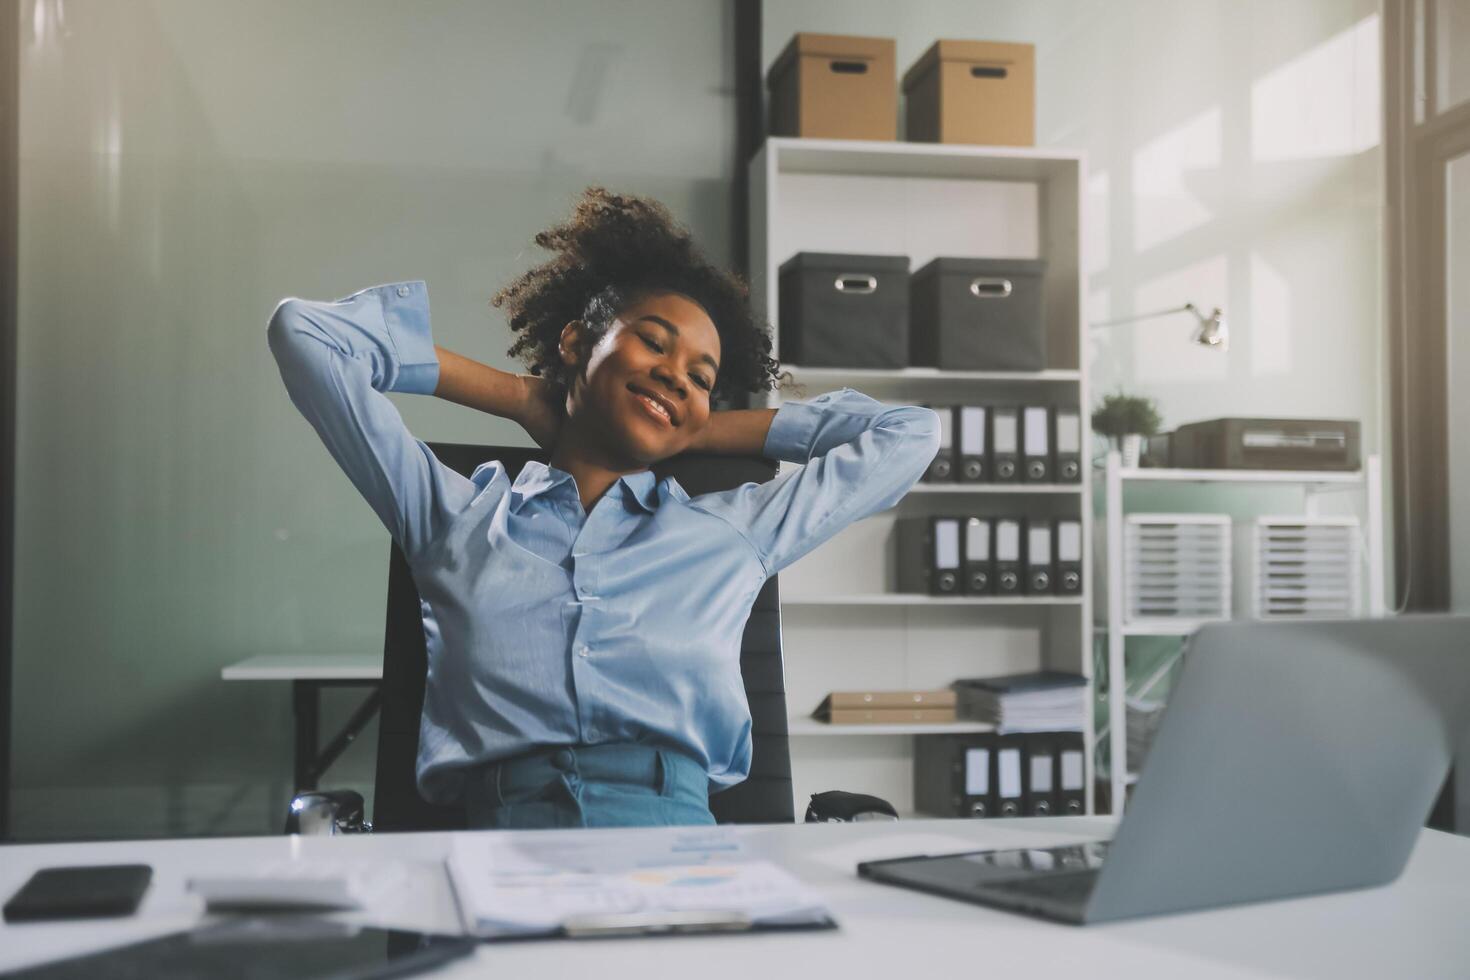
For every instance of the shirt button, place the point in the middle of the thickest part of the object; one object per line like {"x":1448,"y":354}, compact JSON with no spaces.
{"x":583,"y":651}
{"x":402,"y":290}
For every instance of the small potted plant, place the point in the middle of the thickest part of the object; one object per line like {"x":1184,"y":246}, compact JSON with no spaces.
{"x":1126,"y":420}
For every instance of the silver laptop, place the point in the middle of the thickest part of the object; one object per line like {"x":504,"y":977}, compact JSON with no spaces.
{"x":1292,"y":759}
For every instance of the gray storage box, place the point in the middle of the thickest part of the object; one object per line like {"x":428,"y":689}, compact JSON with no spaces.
{"x":978,"y":315}
{"x":840,"y":310}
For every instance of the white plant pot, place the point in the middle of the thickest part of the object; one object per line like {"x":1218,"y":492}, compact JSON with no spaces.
{"x":1131,"y":449}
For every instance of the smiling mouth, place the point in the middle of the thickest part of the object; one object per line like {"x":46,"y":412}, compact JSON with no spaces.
{"x":653,"y":407}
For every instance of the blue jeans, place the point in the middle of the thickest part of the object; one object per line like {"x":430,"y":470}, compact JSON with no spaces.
{"x":588,"y":786}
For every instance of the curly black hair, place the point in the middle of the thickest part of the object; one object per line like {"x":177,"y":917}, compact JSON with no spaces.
{"x":614,"y":249}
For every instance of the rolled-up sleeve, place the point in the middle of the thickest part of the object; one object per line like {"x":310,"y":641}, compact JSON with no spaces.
{"x":860,"y":457}
{"x":337,"y":359}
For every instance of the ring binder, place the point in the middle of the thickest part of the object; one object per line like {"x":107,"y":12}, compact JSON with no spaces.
{"x":1008,"y":556}
{"x":979,"y":577}
{"x":1069,"y":557}
{"x":1038,"y":557}
{"x":971,"y":425}
{"x":941,"y":470}
{"x":1067,"y":442}
{"x":1004,"y":443}
{"x":1036,"y":440}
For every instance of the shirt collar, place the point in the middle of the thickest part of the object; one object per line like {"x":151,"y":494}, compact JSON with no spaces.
{"x":537,"y":478}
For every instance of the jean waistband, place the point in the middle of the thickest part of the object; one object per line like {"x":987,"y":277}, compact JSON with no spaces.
{"x":665,"y":770}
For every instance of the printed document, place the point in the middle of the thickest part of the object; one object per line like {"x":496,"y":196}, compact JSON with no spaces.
{"x":542,"y":883}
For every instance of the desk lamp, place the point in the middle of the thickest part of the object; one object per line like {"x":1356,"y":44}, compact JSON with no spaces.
{"x":1212,"y":332}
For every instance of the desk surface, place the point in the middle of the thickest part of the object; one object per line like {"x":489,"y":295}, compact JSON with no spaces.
{"x":1413,"y":927}
{"x":307,"y":667}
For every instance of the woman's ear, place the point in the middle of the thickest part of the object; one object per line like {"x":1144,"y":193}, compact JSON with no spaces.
{"x":570,"y":342}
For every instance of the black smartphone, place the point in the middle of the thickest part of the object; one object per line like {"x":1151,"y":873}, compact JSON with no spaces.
{"x":93,"y":891}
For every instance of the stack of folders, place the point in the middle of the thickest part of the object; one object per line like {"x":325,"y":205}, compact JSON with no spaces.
{"x":1143,"y":720}
{"x":999,"y":556}
{"x":1044,"y":701}
{"x":1007,"y":444}
{"x":886,"y":707}
{"x":983,"y":775}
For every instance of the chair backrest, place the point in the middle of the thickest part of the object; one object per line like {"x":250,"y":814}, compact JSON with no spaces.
{"x":764,"y":797}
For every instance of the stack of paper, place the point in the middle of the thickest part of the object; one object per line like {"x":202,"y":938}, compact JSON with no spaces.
{"x":1143,"y":720}
{"x":1045,"y":701}
{"x":606,"y":882}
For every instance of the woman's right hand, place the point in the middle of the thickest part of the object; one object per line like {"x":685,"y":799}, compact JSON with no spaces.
{"x":541,"y":415}
{"x":523,"y":398}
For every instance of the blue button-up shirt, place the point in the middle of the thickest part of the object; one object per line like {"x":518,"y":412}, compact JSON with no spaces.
{"x":546,"y":625}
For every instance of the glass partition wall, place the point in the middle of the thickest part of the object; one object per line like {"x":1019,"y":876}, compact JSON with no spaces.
{"x":184,"y":166}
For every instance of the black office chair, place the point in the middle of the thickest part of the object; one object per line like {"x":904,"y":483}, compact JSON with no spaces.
{"x":764,"y":797}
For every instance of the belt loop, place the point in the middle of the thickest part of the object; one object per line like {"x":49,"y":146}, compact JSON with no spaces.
{"x":664,"y":777}
{"x":499,"y":797}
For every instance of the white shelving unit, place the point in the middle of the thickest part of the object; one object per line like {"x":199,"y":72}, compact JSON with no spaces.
{"x":995,"y":488}
{"x":1314,"y":485}
{"x":907,"y":599}
{"x":800,"y":725}
{"x":872,"y":377}
{"x":845,"y":627}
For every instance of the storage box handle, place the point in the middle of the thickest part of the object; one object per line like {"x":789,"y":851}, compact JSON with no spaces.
{"x":986,"y":288}
{"x":987,"y":71}
{"x":858,"y":285}
{"x":850,"y":67}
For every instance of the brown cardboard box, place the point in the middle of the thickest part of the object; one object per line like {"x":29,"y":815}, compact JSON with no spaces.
{"x":868,"y":700}
{"x":889,"y":716}
{"x":832,"y":86}
{"x":973,"y":92}
{"x":887,"y":707}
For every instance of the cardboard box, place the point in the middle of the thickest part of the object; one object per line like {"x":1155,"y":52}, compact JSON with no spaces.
{"x":832,"y":86}
{"x":973,"y":92}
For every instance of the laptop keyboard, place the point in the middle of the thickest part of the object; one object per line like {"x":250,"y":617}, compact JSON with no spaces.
{"x":1068,"y":887}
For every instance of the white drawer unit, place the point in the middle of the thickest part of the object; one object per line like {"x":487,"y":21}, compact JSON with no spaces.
{"x":1176,"y":572}
{"x":1176,"y":567}
{"x":1296,"y":566}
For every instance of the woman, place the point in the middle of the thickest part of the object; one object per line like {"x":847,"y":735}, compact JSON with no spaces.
{"x":583,"y":621}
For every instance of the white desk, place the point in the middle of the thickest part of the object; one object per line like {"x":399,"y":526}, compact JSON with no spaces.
{"x":308,"y":674}
{"x":1415,"y":927}
{"x":306,"y":667}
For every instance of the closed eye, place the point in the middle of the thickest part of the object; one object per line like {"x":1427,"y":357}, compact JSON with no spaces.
{"x":655,"y":346}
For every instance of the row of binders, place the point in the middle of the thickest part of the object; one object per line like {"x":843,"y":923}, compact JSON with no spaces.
{"x":989,"y":555}
{"x":988,"y":775}
{"x":1007,"y":444}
